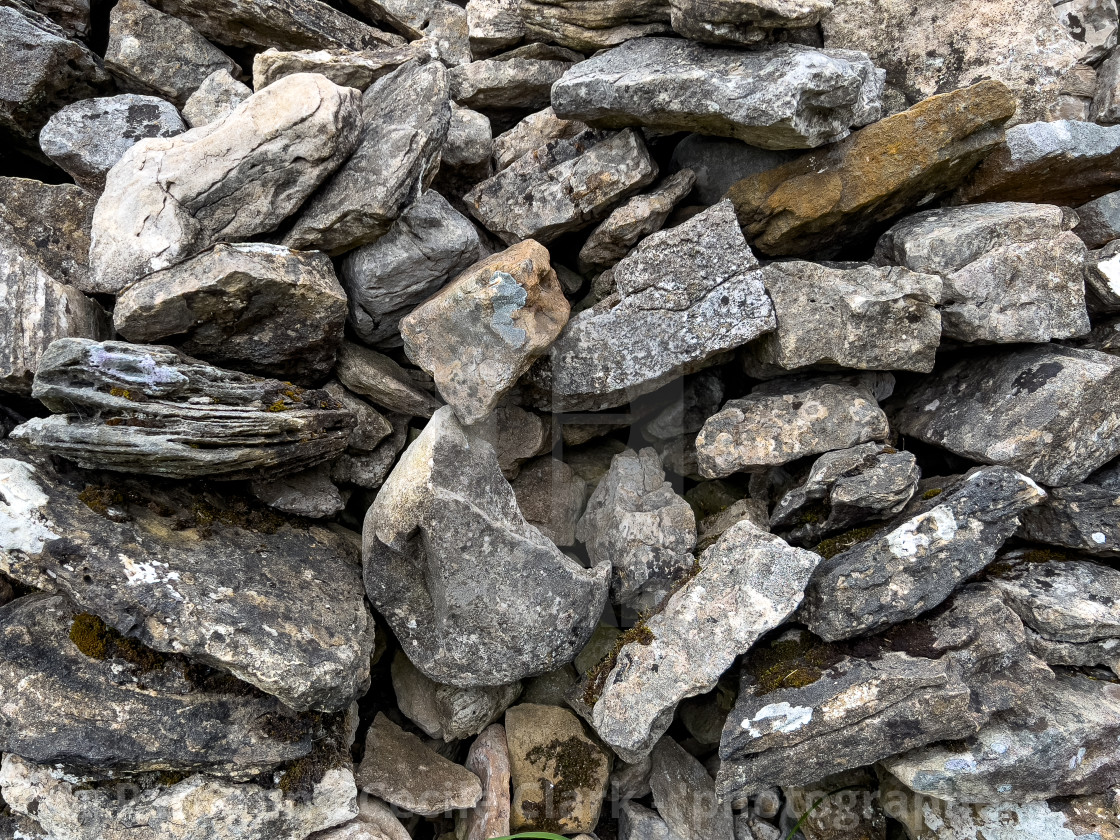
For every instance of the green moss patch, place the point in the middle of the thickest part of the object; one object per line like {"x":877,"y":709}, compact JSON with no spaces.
{"x":842,"y":542}
{"x":791,"y":662}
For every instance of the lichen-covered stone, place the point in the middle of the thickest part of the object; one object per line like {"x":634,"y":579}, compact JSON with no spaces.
{"x":750,"y":22}
{"x":590,"y":26}
{"x":1080,"y":516}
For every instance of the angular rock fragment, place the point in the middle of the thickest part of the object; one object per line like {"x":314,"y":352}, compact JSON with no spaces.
{"x":1080,"y":516}
{"x":820,"y":201}
{"x":154,"y":410}
{"x":916,"y":561}
{"x":446,"y":502}
{"x":589,"y":26}
{"x":445,"y":711}
{"x":637,"y":218}
{"x":441,"y":26}
{"x":485,"y":328}
{"x":518,"y":436}
{"x":783,"y":97}
{"x":252,"y":306}
{"x":429,"y":244}
{"x":167,"y":200}
{"x":717,"y":22}
{"x":638,"y":524}
{"x":400,"y":769}
{"x":1102,"y":282}
{"x":558,"y":773}
{"x":551,"y":496}
{"x":375,"y":821}
{"x":348,"y":68}
{"x":1046,"y":411}
{"x":521,"y":78}
{"x":747,"y":584}
{"x":53,"y":222}
{"x":494,"y":25}
{"x":370,"y":468}
{"x":563,"y":186}
{"x":1099,"y":220}
{"x":685,"y":795}
{"x":861,"y":317}
{"x":531,"y":133}
{"x":636,"y":822}
{"x":1092,"y":24}
{"x":153,"y":53}
{"x":182,"y":573}
{"x":370,"y":427}
{"x":489,"y":760}
{"x":1105,"y":108}
{"x":786,"y":420}
{"x":73,"y":16}
{"x":386,"y":383}
{"x":405,"y":114}
{"x":684,"y":295}
{"x":309,"y":493}
{"x":216,"y":98}
{"x":87,"y":138}
{"x":1012,"y":272}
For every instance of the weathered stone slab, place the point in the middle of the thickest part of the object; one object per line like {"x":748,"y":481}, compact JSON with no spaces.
{"x":488,"y":759}
{"x":216,"y":98}
{"x":531,"y":133}
{"x":53,"y":221}
{"x":518,"y":79}
{"x":383,"y":381}
{"x":348,"y":68}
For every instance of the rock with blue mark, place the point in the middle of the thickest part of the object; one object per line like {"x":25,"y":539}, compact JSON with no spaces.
{"x":914,"y":562}
{"x":487,"y":327}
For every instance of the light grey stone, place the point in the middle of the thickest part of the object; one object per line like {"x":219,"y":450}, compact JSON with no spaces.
{"x":383,"y":381}
{"x":718,"y":162}
{"x":348,"y":68}
{"x":309,"y":493}
{"x":685,"y":795}
{"x":721,"y":22}
{"x":521,"y":78}
{"x":494,"y":25}
{"x":636,"y":822}
{"x":375,"y":821}
{"x":1092,"y":24}
{"x":216,"y":98}
{"x":531,"y":133}
{"x":551,"y":497}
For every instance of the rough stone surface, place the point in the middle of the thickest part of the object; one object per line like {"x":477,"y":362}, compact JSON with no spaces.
{"x":348,"y":68}
{"x":1102,"y":283}
{"x":684,"y":295}
{"x":488,"y":759}
{"x":309,"y":493}
{"x":405,"y":116}
{"x":1092,"y":24}
{"x":551,"y":497}
{"x":1099,"y":220}
{"x":636,"y":822}
{"x":589,"y":26}
{"x":749,"y":582}
{"x":258,"y":307}
{"x":154,"y":410}
{"x":521,"y":78}
{"x":1045,"y":411}
{"x":386,"y":383}
{"x":1081,"y":516}
{"x":823,"y":199}
{"x":685,"y":794}
{"x":446,"y":522}
{"x":718,"y":22}
{"x":563,"y":186}
{"x":400,"y":769}
{"x":916,"y":561}
{"x":494,"y":25}
{"x":1105,"y":108}
{"x":153,"y":53}
{"x":217,"y":97}
{"x":531,"y":133}
{"x":789,"y":420}
{"x":166,"y":200}
{"x":783,"y":97}
{"x":53,"y":221}
{"x":718,"y":162}
{"x":485,"y":328}
{"x":375,"y":821}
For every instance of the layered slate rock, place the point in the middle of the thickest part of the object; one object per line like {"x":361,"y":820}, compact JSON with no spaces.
{"x":636,"y":522}
{"x":782,"y":97}
{"x":87,"y":138}
{"x":587,"y":27}
{"x":259,"y":307}
{"x":685,"y":794}
{"x":1020,"y":44}
{"x":518,"y":79}
{"x":1049,"y":411}
{"x":445,"y":532}
{"x":429,"y":244}
{"x":807,"y":709}
{"x":53,"y":221}
{"x":1064,"y":162}
{"x":153,"y":53}
{"x":754,"y":21}
{"x":383,"y":381}
{"x":166,"y":200}
{"x":405,"y":115}
{"x":683,"y":296}
{"x":348,"y":68}
{"x":402,"y":770}
{"x":822,"y":200}
{"x":1062,"y":742}
{"x":155,"y":410}
{"x":69,"y":669}
{"x":562,"y":186}
{"x":485,"y":328}
{"x":1080,"y":516}
{"x":1012,"y":272}
{"x":217,"y":97}
{"x":182,"y":572}
{"x":864,"y":318}
{"x":531,"y":133}
{"x":785,"y":420}
{"x":916,"y":561}
{"x":747,"y":584}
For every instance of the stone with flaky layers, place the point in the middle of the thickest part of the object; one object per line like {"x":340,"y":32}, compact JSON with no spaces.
{"x":739,"y":22}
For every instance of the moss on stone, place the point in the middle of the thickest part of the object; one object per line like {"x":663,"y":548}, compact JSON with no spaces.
{"x":123,"y":393}
{"x":842,"y":542}
{"x":812,"y":514}
{"x":790,"y":662}
{"x":98,"y":640}
{"x":597,"y":676}
{"x":100,"y":499}
{"x":932,"y":493}
{"x":577,"y":766}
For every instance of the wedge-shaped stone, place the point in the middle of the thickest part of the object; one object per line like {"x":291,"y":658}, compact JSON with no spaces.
{"x":150,"y":409}
{"x":489,"y":760}
{"x":386,"y":383}
{"x":916,"y":561}
{"x":1050,"y":412}
{"x":443,"y":537}
{"x":182,"y":572}
{"x":531,"y":133}
{"x":748,"y":583}
{"x":819,"y":202}
{"x":587,"y":26}
{"x":781,"y":97}
{"x":685,"y":794}
{"x":216,"y":98}
{"x":683,"y":296}
{"x":260,"y":307}
{"x":348,"y":68}
{"x":1081,"y":516}
{"x":169,"y":199}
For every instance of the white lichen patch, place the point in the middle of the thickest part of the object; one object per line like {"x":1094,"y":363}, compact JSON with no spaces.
{"x":937,"y":525}
{"x":778,"y":717}
{"x":24,"y":525}
{"x":145,"y":572}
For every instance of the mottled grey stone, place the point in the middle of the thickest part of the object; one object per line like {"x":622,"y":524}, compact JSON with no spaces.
{"x":563,"y":186}
{"x":916,"y":561}
{"x":383,"y":381}
{"x":591,"y":26}
{"x":1105,"y":108}
{"x":488,"y":759}
{"x":521,"y":78}
{"x":1080,"y":516}
{"x":71,"y":15}
{"x":168,"y":199}
{"x":426,"y":247}
{"x":469,"y":149}
{"x":217,"y":97}
{"x":1049,"y":411}
{"x":494,"y":25}
{"x":781,"y":97}
{"x":750,"y":22}
{"x":531,"y":133}
{"x":437,"y":526}
{"x":52,"y":221}
{"x":718,"y":162}
{"x":349,"y":68}
{"x":368,"y":468}
{"x":405,"y":116}
{"x":150,"y":52}
{"x":636,"y":822}
{"x":154,"y":410}
{"x":1099,"y":220}
{"x":1092,"y":24}
{"x":551,"y":497}
{"x":440,"y":26}
{"x":685,"y":795}
{"x":309,"y":493}
{"x":1102,"y":281}
{"x":684,"y":296}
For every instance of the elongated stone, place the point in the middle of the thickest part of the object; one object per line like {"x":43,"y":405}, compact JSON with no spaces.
{"x":348,"y":68}
{"x":520,"y":78}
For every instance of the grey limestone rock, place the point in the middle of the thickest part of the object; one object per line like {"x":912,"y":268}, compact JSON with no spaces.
{"x":781,"y":97}
{"x":1046,"y":411}
{"x":685,"y":795}
{"x":251,"y":306}
{"x":73,"y":16}
{"x":168,"y":199}
{"x":914,"y":563}
{"x":445,"y":531}
{"x":1079,"y":516}
{"x":1092,"y":24}
{"x":440,"y":25}
{"x":368,"y":468}
{"x":216,"y":98}
{"x":406,"y":115}
{"x":636,"y":822}
{"x":521,"y":78}
{"x":518,"y":435}
{"x":718,"y":162}
{"x":375,"y":821}
{"x":1099,"y":220}
{"x":591,"y":26}
{"x":488,"y":759}
{"x":154,"y":410}
{"x":53,"y":222}
{"x":531,"y":133}
{"x":383,"y":381}
{"x":721,"y":22}
{"x":309,"y":493}
{"x":348,"y":68}
{"x":1105,"y":108}
{"x":494,"y":25}
{"x":551,"y":497}
{"x":1102,"y":281}
{"x":684,"y":296}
